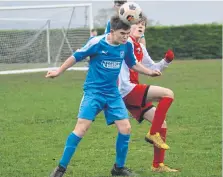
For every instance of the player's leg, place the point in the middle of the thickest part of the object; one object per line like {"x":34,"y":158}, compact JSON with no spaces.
{"x":116,"y":112}
{"x":142,"y":110}
{"x":139,"y":100}
{"x":71,"y":144}
{"x":122,"y":141}
{"x":164,"y":97}
{"x":136,"y":100}
{"x":89,"y":108}
{"x":122,"y":144}
{"x":159,"y":154}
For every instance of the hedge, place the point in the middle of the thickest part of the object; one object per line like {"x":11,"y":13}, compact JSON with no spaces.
{"x":189,"y":41}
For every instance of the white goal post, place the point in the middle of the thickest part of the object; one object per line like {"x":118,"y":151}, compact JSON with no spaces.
{"x":39,"y":38}
{"x":46,"y":22}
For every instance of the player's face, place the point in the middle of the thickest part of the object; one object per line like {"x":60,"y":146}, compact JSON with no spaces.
{"x":137,"y":30}
{"x":121,"y":36}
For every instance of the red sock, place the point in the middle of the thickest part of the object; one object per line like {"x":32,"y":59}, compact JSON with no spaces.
{"x":162,"y":151}
{"x":160,"y":114}
{"x":159,"y":153}
{"x":156,"y":157}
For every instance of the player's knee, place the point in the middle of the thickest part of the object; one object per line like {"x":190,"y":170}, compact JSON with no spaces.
{"x":83,"y":130}
{"x":169,"y":93}
{"x":82,"y":127}
{"x":128,"y":129}
{"x":164,"y":125}
{"x":80,"y":131}
{"x":125,"y":129}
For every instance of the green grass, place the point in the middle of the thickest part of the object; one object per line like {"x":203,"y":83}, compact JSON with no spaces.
{"x":37,"y":114}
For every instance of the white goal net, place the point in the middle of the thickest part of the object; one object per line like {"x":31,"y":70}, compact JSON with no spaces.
{"x":38,"y":38}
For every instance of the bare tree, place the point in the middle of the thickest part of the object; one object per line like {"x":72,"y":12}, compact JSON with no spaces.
{"x":100,"y":20}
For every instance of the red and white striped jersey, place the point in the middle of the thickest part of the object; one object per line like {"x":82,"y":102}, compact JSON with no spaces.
{"x":128,"y":78}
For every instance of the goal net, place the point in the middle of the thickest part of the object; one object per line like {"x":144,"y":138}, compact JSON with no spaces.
{"x":39,"y":38}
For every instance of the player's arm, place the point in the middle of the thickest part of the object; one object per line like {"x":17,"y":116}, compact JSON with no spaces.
{"x":88,"y":50}
{"x":161,"y":65}
{"x":138,"y":67}
{"x":130,"y":60}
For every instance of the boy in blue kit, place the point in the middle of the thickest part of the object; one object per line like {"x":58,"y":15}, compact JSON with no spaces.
{"x":107,"y":53}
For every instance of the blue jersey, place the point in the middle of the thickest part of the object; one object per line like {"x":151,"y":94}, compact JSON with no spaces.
{"x":88,"y":40}
{"x":105,"y":64}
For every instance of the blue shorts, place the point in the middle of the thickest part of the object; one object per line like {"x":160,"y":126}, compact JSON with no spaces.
{"x":93,"y":103}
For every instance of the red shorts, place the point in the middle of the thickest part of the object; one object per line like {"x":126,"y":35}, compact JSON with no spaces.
{"x":135,"y":101}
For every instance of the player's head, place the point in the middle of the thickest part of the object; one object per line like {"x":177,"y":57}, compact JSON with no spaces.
{"x":119,"y":30}
{"x":94,"y":32}
{"x":138,"y":29}
{"x":118,"y":4}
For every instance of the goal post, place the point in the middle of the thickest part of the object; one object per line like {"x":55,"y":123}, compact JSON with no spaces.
{"x":46,"y":21}
{"x":39,"y":38}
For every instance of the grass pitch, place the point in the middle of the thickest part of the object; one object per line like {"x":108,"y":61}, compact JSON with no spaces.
{"x":37,"y":114}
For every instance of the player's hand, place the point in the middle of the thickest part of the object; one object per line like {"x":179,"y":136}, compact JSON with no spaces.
{"x":155,"y":73}
{"x":52,"y":74}
{"x":169,"y":56}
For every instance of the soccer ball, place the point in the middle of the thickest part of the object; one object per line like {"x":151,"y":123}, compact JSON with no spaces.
{"x":130,"y":13}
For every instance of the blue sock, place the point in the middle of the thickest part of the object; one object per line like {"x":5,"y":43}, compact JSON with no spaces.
{"x":69,"y":149}
{"x":122,"y":145}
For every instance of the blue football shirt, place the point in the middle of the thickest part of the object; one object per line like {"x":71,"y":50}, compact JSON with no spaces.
{"x":105,"y":63}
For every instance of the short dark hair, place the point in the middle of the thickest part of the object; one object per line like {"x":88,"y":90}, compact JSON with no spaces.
{"x":120,"y":2}
{"x":93,"y":30}
{"x":117,"y":23}
{"x":143,"y":19}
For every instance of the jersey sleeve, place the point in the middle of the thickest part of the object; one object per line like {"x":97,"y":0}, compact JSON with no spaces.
{"x":130,"y":58}
{"x":149,"y":63}
{"x":108,"y":28}
{"x":89,"y":49}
